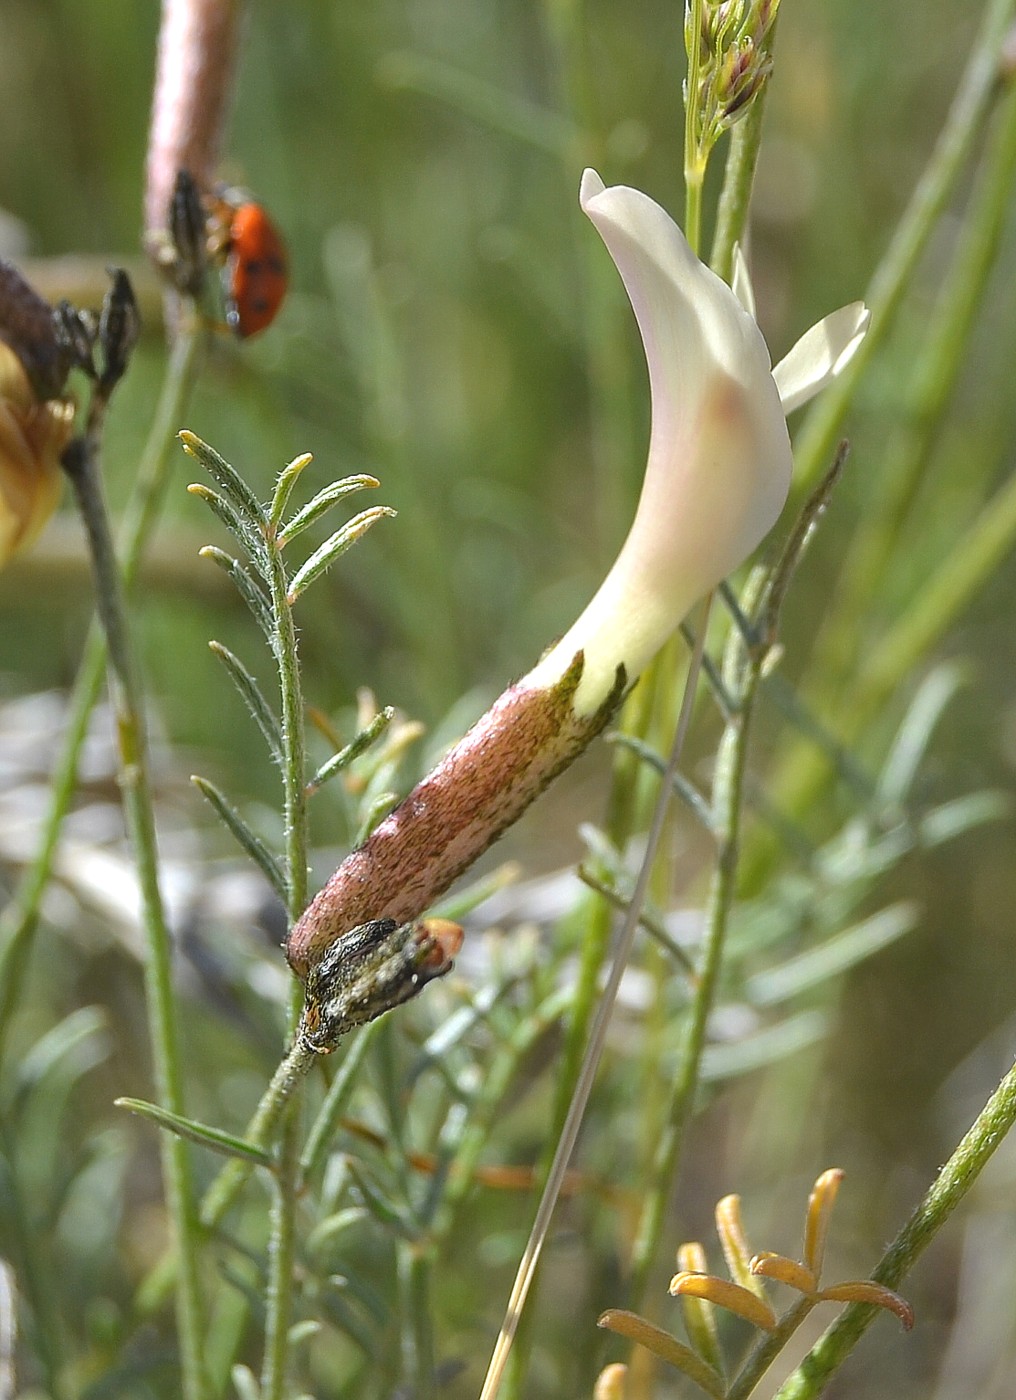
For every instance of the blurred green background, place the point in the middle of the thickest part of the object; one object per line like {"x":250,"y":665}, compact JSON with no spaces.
{"x":455,"y":328}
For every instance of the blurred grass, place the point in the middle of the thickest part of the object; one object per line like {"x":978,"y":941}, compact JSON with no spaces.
{"x":435,"y":336}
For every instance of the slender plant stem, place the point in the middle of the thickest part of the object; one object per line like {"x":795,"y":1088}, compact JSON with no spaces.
{"x":949,"y":1187}
{"x":82,"y":463}
{"x":281,"y":1255}
{"x":738,"y":179}
{"x":259,"y":1133}
{"x":597,"y":1037}
{"x":748,"y":647}
{"x":415,"y":1268}
{"x":728,"y":793}
{"x":279,"y":1299}
{"x":728,"y":782}
{"x":767,"y":1349}
{"x":695,"y":157}
{"x":20,"y":919}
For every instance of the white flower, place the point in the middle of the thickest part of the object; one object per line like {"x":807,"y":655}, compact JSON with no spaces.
{"x":720,"y":462}
{"x":717,"y":478}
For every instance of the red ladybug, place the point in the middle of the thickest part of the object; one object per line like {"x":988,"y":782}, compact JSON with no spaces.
{"x":257,"y":271}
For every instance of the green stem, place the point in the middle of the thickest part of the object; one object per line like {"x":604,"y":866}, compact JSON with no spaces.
{"x":260,"y":1133}
{"x":20,"y":919}
{"x":948,"y":1189}
{"x":767,"y":1349}
{"x":82,"y":464}
{"x":281,"y":1256}
{"x":978,"y":89}
{"x":728,"y":791}
{"x":415,"y":1268}
{"x":695,"y":159}
{"x":597,"y":1037}
{"x":279,"y":1298}
{"x":738,"y":179}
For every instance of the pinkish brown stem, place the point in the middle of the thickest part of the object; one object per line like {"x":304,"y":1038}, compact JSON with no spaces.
{"x":527,"y":737}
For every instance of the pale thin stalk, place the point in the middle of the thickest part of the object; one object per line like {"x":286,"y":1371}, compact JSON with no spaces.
{"x":136,"y":793}
{"x":20,"y":919}
{"x":946,"y":1192}
{"x":590,"y":1063}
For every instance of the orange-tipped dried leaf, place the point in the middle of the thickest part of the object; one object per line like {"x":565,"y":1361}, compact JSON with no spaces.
{"x":610,"y":1382}
{"x":663,"y":1345}
{"x":785,"y":1270}
{"x":869,"y":1292}
{"x":699,"y":1318}
{"x":731,"y":1296}
{"x":820,"y":1208}
{"x":736,"y":1249}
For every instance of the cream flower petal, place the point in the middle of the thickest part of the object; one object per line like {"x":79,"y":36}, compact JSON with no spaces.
{"x":719,"y":462}
{"x":821,"y":354}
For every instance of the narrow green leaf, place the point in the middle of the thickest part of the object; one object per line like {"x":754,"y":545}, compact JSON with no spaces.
{"x":663,"y":1345}
{"x":245,"y":1383}
{"x":914,"y":734}
{"x":228,"y":478}
{"x":767,"y":1047}
{"x":324,"y":500}
{"x":699,"y":1314}
{"x":685,"y":790}
{"x":253,"y":845}
{"x":377,"y":809}
{"x":261,"y":712}
{"x":64,"y":1041}
{"x":648,"y":919}
{"x":234,"y":522}
{"x":335,"y":546}
{"x":288,"y":478}
{"x":832,"y":957}
{"x":493,"y":105}
{"x":304,"y":1331}
{"x":942,"y":596}
{"x":247,"y":587}
{"x":189,"y":1128}
{"x":383,"y":1211}
{"x":355,"y":1285}
{"x":352,"y":750}
{"x":344,"y":1316}
{"x":329,"y":1229}
{"x":953,"y":818}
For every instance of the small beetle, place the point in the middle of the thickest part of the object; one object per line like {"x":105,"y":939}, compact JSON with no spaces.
{"x":256,"y":275}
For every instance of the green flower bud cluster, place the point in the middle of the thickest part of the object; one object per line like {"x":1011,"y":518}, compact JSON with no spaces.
{"x":730,"y":59}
